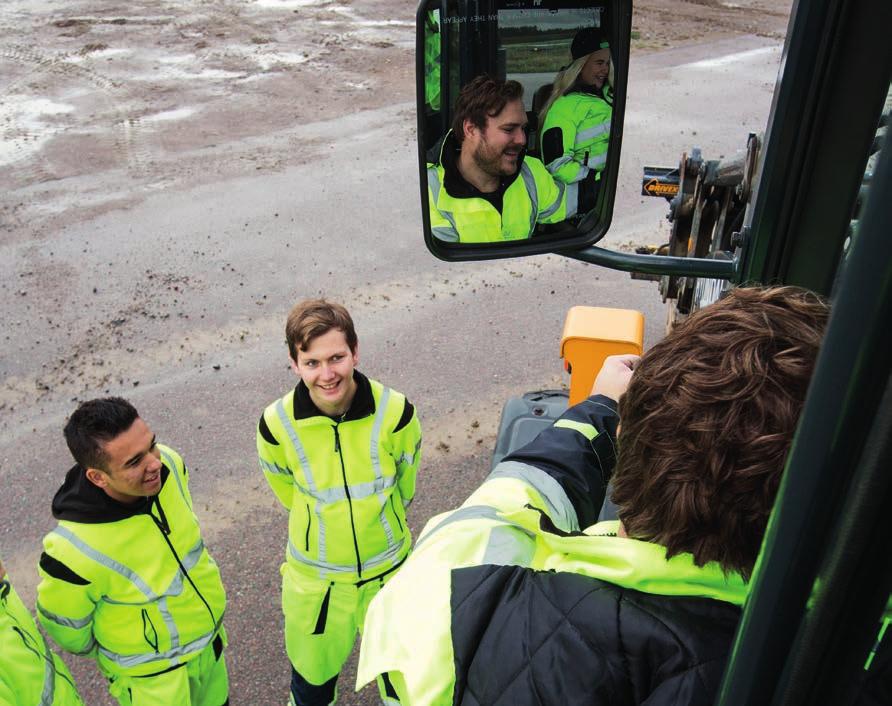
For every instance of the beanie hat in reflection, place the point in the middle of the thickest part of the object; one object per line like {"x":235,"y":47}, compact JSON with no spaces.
{"x":588,"y":40}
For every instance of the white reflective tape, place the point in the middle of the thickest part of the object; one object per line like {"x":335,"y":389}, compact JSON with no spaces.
{"x":551,"y":210}
{"x":529,"y":182}
{"x":73,"y":623}
{"x":559,"y":508}
{"x":591,"y":133}
{"x":307,"y":471}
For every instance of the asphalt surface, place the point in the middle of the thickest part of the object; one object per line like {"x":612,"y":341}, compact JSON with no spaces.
{"x":177,"y":300}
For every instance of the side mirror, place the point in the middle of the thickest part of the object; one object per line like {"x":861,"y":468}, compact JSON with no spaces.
{"x":520,"y":117}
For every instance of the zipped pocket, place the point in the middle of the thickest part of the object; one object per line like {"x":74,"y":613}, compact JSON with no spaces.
{"x":150,"y":635}
{"x":307,"y":536}
{"x":395,"y":513}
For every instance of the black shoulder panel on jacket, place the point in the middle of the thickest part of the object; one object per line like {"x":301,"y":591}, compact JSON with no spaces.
{"x":581,"y":467}
{"x":58,"y":570}
{"x":263,"y":428}
{"x":529,"y":637}
{"x":408,"y":411}
{"x":552,"y":145}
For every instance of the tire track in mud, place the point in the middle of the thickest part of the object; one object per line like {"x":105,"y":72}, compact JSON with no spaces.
{"x":159,"y":113}
{"x":60,"y":66}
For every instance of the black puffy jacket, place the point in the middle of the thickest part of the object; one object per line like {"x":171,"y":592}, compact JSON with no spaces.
{"x":532,"y":637}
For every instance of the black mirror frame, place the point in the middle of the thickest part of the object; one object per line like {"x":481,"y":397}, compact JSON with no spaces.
{"x":621,"y":31}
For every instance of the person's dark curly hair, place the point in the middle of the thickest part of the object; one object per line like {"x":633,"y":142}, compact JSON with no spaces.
{"x":707,"y":421}
{"x":481,"y":99}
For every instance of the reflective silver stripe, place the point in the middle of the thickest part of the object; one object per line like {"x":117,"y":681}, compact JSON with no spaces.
{"x":388,"y":555}
{"x":472,"y":512}
{"x":174,"y":655}
{"x":509,"y":544}
{"x":592,"y":132}
{"x":48,"y":694}
{"x":445,"y":234}
{"x":409,"y":458}
{"x":559,"y":507}
{"x":433,"y":183}
{"x":573,"y":196}
{"x":597,"y":160}
{"x":169,"y":622}
{"x":375,"y":454}
{"x":358,"y":491}
{"x":172,"y":467}
{"x":131,"y":576}
{"x":73,"y":623}
{"x":107,"y":562}
{"x":556,"y":164}
{"x":530,"y":183}
{"x":275,"y":469}
{"x":307,"y":471}
{"x":558,"y":202}
{"x":176,"y":588}
{"x":325,"y":567}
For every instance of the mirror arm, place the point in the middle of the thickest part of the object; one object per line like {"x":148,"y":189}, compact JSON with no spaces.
{"x":657,"y":264}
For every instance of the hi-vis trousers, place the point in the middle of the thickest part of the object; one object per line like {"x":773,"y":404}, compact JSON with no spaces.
{"x":322,"y":620}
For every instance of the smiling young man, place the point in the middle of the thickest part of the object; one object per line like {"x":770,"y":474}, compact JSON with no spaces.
{"x":484,"y":188}
{"x":125,"y":576}
{"x":341,"y":453}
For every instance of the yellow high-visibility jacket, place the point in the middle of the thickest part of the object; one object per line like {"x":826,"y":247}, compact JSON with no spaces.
{"x":29,"y":672}
{"x":347,"y":482}
{"x":531,"y":197}
{"x":132,"y":585}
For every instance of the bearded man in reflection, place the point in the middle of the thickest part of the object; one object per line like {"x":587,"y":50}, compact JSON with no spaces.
{"x":484,"y":189}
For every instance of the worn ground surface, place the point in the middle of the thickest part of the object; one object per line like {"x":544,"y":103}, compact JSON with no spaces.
{"x":173,"y":175}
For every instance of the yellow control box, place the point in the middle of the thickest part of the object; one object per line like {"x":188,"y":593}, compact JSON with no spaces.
{"x":591,"y":333}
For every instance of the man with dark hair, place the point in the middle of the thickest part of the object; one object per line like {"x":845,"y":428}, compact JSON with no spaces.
{"x":483,"y":188}
{"x":341,"y":452}
{"x":125,"y":576}
{"x":527,"y":600}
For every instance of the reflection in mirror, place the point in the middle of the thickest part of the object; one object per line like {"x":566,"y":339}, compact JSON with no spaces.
{"x":517,"y":114}
{"x":483,"y":187}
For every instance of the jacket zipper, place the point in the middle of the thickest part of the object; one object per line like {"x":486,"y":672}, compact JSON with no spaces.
{"x":162,"y":524}
{"x":30,"y":644}
{"x":337,"y":440}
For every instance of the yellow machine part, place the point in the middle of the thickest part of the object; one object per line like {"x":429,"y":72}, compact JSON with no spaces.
{"x":591,"y":333}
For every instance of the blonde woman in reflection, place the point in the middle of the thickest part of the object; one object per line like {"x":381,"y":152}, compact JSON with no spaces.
{"x":576,"y":118}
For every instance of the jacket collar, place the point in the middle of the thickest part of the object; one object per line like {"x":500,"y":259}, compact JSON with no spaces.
{"x":363,"y":404}
{"x":78,"y":500}
{"x":605,"y":93}
{"x":598,"y":552}
{"x":455,"y":184}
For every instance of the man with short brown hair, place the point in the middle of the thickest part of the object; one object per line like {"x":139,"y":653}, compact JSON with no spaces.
{"x":483,"y":188}
{"x":341,"y":452}
{"x":529,"y":601}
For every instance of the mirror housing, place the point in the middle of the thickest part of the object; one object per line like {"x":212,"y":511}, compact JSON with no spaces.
{"x":528,"y":41}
